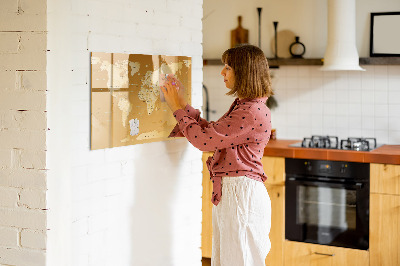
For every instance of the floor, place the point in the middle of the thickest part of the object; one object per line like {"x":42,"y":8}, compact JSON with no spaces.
{"x":206,"y":261}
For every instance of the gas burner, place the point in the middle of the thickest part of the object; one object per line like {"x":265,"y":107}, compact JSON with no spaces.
{"x":327,"y":142}
{"x":358,"y":144}
{"x":332,"y":142}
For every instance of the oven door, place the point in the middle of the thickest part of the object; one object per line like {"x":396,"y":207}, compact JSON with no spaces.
{"x":327,"y":213}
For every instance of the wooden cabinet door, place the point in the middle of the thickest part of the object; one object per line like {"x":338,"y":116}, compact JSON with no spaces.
{"x":384,"y":236}
{"x":385,"y":178}
{"x":277,"y":233}
{"x":274,"y":168}
{"x":304,"y":254}
{"x":206,"y":226}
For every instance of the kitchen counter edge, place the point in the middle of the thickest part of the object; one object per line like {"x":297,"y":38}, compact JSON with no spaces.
{"x":386,"y":154}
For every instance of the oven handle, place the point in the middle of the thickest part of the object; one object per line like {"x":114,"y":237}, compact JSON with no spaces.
{"x":357,"y":185}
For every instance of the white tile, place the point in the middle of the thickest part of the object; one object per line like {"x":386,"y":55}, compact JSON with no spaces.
{"x":367,"y":133}
{"x":367,"y":110}
{"x":381,"y":71}
{"x":317,"y":95}
{"x":354,"y":80}
{"x":317,"y":131}
{"x":394,"y":137}
{"x":292,"y":83}
{"x":316,"y":72}
{"x":279,"y":72}
{"x":355,"y":132}
{"x":367,"y":122}
{"x":367,"y":96}
{"x":329,"y":122}
{"x":342,"y":96}
{"x":355,"y":109}
{"x":303,"y":82}
{"x":317,"y":107}
{"x":381,"y":84}
{"x":328,"y":74}
{"x":304,"y":72}
{"x":329,"y":94}
{"x":394,"y":110}
{"x":355,"y":96}
{"x":394,"y":70}
{"x":342,"y":133}
{"x":381,"y":110}
{"x":316,"y":82}
{"x":342,"y":122}
{"x":394,"y":97}
{"x":342,"y":109}
{"x":394,"y":123}
{"x":382,"y":136}
{"x":342,"y":81}
{"x":355,"y":122}
{"x":394,"y":83}
{"x":317,"y":121}
{"x":367,"y":83}
{"x":329,"y":109}
{"x":381,"y":97}
{"x":291,"y":71}
{"x":381,"y":123}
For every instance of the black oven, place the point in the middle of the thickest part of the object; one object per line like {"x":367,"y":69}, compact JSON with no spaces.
{"x":327,"y":202}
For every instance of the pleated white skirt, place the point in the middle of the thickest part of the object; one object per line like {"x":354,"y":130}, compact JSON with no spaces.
{"x":241,"y":223}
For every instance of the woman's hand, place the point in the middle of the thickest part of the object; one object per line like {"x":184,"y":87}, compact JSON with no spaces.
{"x":173,"y":93}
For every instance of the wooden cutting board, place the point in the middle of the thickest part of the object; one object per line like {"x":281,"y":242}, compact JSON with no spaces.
{"x":239,"y":35}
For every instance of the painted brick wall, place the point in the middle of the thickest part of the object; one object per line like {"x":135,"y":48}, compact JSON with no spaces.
{"x":313,"y":102}
{"x":134,"y":205}
{"x":23,"y":132}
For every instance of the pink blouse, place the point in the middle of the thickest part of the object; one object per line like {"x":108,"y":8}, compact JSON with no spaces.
{"x":238,"y":139}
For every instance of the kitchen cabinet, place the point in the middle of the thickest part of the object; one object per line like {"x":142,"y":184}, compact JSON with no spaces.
{"x":274,"y":168}
{"x":385,"y":178}
{"x":385,"y":215}
{"x":206,"y":225}
{"x":305,"y":254}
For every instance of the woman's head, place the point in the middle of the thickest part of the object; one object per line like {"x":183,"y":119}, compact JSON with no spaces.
{"x":251,"y":73}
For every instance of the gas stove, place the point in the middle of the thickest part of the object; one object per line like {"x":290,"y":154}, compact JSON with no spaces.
{"x":332,"y":142}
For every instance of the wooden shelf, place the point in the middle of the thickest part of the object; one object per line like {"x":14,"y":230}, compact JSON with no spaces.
{"x":273,"y":63}
{"x":380,"y":61}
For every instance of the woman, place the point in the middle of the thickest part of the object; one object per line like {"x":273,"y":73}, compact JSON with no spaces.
{"x":242,"y":208}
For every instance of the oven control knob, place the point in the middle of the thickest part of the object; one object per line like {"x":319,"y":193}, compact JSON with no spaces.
{"x":308,"y":166}
{"x":343,"y":168}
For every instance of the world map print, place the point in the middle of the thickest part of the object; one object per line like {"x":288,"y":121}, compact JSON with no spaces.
{"x":127,"y":105}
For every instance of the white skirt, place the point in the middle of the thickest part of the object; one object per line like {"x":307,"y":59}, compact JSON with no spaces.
{"x":241,"y":223}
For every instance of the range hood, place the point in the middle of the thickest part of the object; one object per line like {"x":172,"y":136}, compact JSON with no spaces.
{"x":341,"y":51}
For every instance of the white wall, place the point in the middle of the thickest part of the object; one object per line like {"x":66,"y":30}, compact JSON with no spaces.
{"x":23,"y":133}
{"x":305,"y":18}
{"x":133,"y":205}
{"x":311,"y":102}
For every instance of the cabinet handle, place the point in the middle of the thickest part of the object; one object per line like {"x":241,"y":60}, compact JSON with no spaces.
{"x":324,"y":254}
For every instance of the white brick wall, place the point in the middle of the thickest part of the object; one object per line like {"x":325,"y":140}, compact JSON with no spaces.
{"x":23,"y":132}
{"x":133,"y":205}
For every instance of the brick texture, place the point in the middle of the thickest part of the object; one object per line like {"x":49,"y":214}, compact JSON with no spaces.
{"x":23,"y":125}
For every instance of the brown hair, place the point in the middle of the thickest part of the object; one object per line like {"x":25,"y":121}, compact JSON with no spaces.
{"x":250,"y":66}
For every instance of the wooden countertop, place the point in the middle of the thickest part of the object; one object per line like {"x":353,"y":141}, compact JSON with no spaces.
{"x":389,"y":154}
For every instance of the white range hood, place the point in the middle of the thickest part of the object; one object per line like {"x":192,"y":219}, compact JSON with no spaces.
{"x":341,"y":51}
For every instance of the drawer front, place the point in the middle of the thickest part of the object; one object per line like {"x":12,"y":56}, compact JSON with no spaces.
{"x":297,"y":253}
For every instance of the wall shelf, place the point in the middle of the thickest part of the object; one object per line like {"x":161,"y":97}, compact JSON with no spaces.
{"x":274,"y":63}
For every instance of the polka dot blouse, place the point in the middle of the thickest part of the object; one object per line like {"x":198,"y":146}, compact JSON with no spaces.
{"x":238,"y":139}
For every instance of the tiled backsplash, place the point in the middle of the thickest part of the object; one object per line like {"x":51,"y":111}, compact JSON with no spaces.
{"x":314,"y":102}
